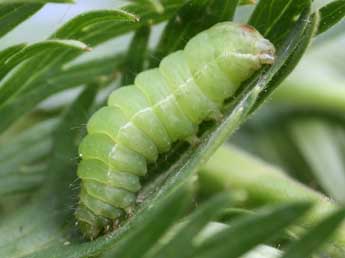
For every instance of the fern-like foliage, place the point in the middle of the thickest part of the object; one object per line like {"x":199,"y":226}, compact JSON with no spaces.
{"x":39,"y":147}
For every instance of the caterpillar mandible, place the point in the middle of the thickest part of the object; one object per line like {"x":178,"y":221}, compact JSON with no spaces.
{"x":165,"y":104}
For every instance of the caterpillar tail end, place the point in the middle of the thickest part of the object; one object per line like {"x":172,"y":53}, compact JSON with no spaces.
{"x":88,"y":230}
{"x":91,"y":226}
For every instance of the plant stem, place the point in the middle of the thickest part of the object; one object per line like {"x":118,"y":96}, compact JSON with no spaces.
{"x":312,"y":95}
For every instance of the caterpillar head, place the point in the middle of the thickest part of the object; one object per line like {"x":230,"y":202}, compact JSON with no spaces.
{"x":262,"y":48}
{"x":242,"y":48}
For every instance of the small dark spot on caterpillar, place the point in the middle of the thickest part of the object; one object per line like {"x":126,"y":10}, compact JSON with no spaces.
{"x":20,"y":229}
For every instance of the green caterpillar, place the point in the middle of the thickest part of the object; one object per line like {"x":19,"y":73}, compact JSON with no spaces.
{"x":164,"y":105}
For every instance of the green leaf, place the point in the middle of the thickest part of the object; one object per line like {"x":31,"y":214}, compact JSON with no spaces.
{"x":12,"y":15}
{"x":269,"y":17}
{"x":29,"y":73}
{"x":22,"y":182}
{"x":153,"y":226}
{"x":183,"y":239}
{"x":318,"y":146}
{"x":331,"y":14}
{"x":193,"y":17}
{"x":10,"y":150}
{"x":8,"y":52}
{"x":21,"y":167}
{"x":263,"y":226}
{"x":100,"y":70}
{"x":136,"y":56}
{"x":316,"y":237}
{"x":92,"y":28}
{"x":31,"y":229}
{"x":30,"y":51}
{"x":17,"y":163}
{"x":8,"y":89}
{"x":80,"y":24}
{"x":300,"y":37}
{"x":101,"y":32}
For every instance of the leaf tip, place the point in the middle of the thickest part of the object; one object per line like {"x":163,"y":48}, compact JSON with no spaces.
{"x":131,"y":16}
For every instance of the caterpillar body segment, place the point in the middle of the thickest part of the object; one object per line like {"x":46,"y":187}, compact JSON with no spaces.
{"x":165,"y":105}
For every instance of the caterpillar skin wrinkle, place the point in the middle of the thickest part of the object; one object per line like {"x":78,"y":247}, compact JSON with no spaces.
{"x":165,"y":104}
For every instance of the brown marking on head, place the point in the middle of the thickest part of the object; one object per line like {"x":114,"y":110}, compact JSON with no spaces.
{"x":247,"y":2}
{"x":247,"y":28}
{"x":266,"y":57}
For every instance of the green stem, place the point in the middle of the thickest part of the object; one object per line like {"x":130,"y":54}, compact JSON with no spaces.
{"x":312,"y":95}
{"x":232,"y":169}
